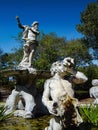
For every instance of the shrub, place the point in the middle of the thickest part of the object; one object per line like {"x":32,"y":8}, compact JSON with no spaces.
{"x":89,"y":114}
{"x":2,"y":116}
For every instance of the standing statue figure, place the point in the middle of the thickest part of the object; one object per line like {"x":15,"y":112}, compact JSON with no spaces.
{"x":58,"y":95}
{"x":30,"y":38}
{"x":94,"y":91}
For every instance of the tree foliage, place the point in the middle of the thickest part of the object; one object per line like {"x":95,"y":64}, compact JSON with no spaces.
{"x":50,"y":49}
{"x":89,"y":26}
{"x":3,"y":59}
{"x":77,"y":50}
{"x":53,"y":48}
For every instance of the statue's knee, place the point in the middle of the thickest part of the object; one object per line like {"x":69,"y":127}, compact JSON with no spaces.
{"x":14,"y":92}
{"x":30,"y":99}
{"x":48,"y":128}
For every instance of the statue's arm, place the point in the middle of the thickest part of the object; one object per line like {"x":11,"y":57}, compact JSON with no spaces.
{"x":79,"y":77}
{"x":76,"y":76}
{"x":35,"y":31}
{"x":46,"y":94}
{"x":19,"y":23}
{"x":46,"y":98}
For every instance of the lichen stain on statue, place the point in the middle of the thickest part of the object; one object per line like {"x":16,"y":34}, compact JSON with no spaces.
{"x":30,"y":45}
{"x":58,"y":95}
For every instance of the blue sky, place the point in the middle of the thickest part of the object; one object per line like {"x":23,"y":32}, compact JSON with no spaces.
{"x":59,"y":16}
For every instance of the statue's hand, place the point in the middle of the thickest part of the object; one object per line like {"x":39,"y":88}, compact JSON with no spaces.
{"x":53,"y":109}
{"x":17,"y":17}
{"x":68,"y":62}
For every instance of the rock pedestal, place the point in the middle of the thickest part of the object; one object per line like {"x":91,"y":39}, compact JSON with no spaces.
{"x":25,"y":100}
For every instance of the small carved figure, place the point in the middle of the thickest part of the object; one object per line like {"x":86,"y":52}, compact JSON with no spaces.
{"x":30,"y":38}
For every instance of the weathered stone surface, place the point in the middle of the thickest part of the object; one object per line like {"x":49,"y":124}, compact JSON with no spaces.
{"x":26,"y":92}
{"x":94,"y":90}
{"x":58,"y":95}
{"x":16,"y":72}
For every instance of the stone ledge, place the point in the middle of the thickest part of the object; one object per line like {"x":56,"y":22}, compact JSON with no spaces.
{"x":16,"y":72}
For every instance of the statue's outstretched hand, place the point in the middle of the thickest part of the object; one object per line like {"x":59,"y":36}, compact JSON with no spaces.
{"x":17,"y":17}
{"x":68,"y":62}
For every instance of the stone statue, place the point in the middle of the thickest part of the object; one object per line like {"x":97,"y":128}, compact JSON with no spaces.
{"x":30,"y":42}
{"x":58,"y":95}
{"x":25,"y":110}
{"x":25,"y":100}
{"x":94,"y":90}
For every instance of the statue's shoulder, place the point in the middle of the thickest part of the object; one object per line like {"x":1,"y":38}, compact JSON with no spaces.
{"x":48,"y":81}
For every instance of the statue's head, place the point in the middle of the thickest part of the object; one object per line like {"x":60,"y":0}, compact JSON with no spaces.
{"x":62,"y":67}
{"x":57,"y":67}
{"x":35,"y":23}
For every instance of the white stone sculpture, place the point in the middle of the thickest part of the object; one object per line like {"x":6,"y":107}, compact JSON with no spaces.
{"x":30,"y":43}
{"x":25,"y":101}
{"x":94,"y":90}
{"x":12,"y":104}
{"x":58,"y":93}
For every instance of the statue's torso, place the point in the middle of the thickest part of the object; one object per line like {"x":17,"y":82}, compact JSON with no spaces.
{"x":60,"y":87}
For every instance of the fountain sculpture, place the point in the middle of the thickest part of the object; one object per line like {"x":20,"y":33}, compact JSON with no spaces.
{"x":58,"y":96}
{"x":24,"y":99}
{"x":30,"y":44}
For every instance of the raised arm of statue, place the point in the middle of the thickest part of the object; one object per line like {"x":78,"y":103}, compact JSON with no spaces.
{"x":19,"y":23}
{"x":76,"y":76}
{"x":79,"y":78}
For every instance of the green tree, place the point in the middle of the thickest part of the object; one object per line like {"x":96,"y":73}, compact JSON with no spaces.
{"x":89,"y":26}
{"x":3,"y":60}
{"x":50,"y":49}
{"x":15,"y":57}
{"x":77,"y":50}
{"x":1,"y":52}
{"x":3,"y":64}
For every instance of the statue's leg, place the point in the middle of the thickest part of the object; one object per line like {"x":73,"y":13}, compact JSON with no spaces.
{"x":20,"y":105}
{"x":50,"y":127}
{"x":33,"y":47}
{"x":25,"y":58}
{"x":29,"y":104}
{"x":95,"y":101}
{"x":11,"y":102}
{"x":79,"y":119}
{"x":31,"y":57}
{"x":54,"y":125}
